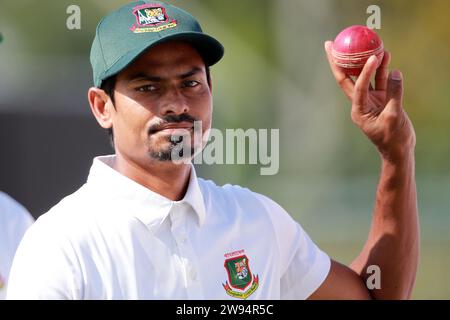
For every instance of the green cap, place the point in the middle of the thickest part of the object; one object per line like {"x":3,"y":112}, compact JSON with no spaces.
{"x":123,"y":35}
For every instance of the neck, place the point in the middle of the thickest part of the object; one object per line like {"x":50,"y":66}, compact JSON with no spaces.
{"x":163,"y":177}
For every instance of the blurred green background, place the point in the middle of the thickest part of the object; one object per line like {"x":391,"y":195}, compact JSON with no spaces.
{"x":274,"y":75}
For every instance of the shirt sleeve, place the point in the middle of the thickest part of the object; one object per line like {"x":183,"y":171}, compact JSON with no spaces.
{"x":303,"y":266}
{"x":308,"y":269}
{"x":43,"y":267}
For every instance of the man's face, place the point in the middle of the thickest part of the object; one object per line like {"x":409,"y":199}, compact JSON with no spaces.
{"x":158,"y":97}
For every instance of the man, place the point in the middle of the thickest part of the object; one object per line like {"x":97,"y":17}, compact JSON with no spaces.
{"x":14,"y":221}
{"x":145,"y":227}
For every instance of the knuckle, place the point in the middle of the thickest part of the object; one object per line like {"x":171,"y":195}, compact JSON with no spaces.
{"x":395,"y":85}
{"x":391,"y":116}
{"x":391,"y":119}
{"x":355,"y":116}
{"x":382,"y":75}
{"x":359,"y":89}
{"x":394,"y":94}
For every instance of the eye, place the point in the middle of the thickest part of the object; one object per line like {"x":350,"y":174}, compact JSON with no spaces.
{"x":147,"y":88}
{"x":190,"y":84}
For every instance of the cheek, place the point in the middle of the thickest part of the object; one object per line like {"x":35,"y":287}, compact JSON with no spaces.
{"x":205,"y":112}
{"x":206,"y":124}
{"x":130,"y":122}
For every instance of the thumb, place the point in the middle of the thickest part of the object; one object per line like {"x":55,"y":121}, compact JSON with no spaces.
{"x":394,"y":94}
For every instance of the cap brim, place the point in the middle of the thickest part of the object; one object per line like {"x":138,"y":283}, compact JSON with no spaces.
{"x":209,"y":48}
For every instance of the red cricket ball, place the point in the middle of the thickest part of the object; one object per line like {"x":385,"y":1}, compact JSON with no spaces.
{"x":354,"y":46}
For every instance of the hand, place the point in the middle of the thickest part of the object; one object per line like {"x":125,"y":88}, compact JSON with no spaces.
{"x":378,"y":111}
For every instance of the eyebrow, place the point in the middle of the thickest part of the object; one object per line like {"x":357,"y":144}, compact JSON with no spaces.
{"x":149,"y":77}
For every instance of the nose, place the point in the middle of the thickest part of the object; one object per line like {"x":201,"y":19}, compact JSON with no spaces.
{"x":174,"y":103}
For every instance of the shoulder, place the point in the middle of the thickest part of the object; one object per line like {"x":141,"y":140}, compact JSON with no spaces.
{"x":64,"y":218}
{"x":53,"y":234}
{"x":80,"y":217}
{"x":228,"y":193}
{"x":211,"y":190}
{"x":235,"y":196}
{"x":70,"y":206}
{"x":47,"y":246}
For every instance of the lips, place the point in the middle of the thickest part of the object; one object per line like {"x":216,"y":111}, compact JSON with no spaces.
{"x":173,"y":128}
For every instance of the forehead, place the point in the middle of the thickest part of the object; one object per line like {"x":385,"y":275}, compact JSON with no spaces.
{"x":166,"y":59}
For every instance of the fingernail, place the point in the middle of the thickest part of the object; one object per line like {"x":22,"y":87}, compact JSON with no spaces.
{"x":327,"y":44}
{"x":396,"y":75}
{"x":372,"y":59}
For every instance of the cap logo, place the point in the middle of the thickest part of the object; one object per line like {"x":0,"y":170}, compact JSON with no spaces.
{"x":151,"y":18}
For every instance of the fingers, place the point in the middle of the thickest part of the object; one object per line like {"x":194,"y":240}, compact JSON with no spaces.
{"x":344,"y":81}
{"x":362,"y":85}
{"x":394,"y":94}
{"x":382,"y":74}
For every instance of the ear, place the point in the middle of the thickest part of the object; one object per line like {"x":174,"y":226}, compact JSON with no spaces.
{"x":101,"y":106}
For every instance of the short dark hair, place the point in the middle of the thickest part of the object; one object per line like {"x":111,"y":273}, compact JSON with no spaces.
{"x":109,"y":84}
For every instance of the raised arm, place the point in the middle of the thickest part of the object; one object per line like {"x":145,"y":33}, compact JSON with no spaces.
{"x":393,"y":241}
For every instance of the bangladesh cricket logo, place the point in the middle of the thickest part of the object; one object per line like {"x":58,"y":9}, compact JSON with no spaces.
{"x":151,"y":18}
{"x":241,"y":282}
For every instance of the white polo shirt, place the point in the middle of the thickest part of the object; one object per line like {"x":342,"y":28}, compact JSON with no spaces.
{"x":115,"y":239}
{"x":14,"y":221}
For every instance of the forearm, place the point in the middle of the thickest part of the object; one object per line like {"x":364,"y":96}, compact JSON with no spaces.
{"x":393,"y":242}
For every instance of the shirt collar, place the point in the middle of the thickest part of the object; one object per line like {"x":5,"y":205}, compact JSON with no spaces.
{"x":146,"y":205}
{"x":194,"y":197}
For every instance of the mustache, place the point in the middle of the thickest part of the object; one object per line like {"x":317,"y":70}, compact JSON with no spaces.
{"x":171,"y":118}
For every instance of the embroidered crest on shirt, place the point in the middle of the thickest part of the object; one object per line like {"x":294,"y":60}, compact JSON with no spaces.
{"x":241,"y":282}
